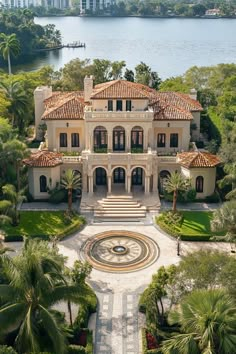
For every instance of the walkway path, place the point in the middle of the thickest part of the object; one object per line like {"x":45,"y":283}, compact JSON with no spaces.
{"x":117,"y":321}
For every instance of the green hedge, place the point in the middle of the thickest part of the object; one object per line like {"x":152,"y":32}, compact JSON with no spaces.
{"x":195,"y":238}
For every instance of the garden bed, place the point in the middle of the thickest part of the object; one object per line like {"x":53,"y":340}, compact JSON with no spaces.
{"x":43,"y":224}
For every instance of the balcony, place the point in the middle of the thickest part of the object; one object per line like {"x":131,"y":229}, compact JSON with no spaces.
{"x":103,"y":115}
{"x":72,"y":159}
{"x":117,"y":158}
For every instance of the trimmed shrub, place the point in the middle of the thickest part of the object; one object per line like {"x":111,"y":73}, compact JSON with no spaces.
{"x":191,"y":195}
{"x":58,"y":196}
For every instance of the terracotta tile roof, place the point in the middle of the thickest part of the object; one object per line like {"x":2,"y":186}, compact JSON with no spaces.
{"x":164,"y":111}
{"x":44,"y":158}
{"x":121,"y":89}
{"x":197,"y":159}
{"x":180,"y":100}
{"x":64,"y":105}
{"x":165,"y":105}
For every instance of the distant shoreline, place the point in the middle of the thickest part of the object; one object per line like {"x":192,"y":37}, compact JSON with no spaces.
{"x":145,"y":16}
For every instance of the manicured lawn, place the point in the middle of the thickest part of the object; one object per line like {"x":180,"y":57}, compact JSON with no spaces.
{"x":41,"y":223}
{"x":189,"y":225}
{"x":197,"y":223}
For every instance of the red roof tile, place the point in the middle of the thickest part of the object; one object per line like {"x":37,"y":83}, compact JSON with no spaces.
{"x":64,"y":105}
{"x":44,"y":158}
{"x":197,"y":159}
{"x":121,"y":89}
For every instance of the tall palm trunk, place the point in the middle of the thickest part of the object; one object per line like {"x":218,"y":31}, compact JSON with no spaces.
{"x":69,"y":199}
{"x":9,"y":63}
{"x":70,"y":312}
{"x":174,"y":200}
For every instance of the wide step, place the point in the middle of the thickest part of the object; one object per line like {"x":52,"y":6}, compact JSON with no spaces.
{"x":120,"y":208}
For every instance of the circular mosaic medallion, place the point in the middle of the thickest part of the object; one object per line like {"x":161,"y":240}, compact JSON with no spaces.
{"x":120,"y":251}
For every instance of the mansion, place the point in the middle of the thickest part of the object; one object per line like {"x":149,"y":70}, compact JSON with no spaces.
{"x":119,"y":136}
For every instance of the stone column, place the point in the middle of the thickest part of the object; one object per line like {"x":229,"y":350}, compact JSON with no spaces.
{"x":109,"y":141}
{"x":155,"y":180}
{"x":109,"y":184}
{"x":90,"y":184}
{"x":128,"y":184}
{"x":147,"y":184}
{"x":145,"y":140}
{"x":127,"y":140}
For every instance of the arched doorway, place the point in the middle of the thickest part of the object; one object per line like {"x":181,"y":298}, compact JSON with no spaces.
{"x":100,"y":139}
{"x":137,"y":176}
{"x":164,"y":174}
{"x":118,"y":139}
{"x":119,"y":175}
{"x":101,"y":176}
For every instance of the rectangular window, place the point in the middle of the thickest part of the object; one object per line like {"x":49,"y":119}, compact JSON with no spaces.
{"x":161,"y":140}
{"x":119,"y":105}
{"x":63,"y":140}
{"x":74,"y":140}
{"x":110,"y":105}
{"x":174,"y":140}
{"x":128,"y":105}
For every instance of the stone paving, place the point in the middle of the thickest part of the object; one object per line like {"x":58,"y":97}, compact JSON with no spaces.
{"x":117,"y":323}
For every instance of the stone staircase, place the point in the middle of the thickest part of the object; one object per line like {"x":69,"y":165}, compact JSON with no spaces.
{"x":119,"y":208}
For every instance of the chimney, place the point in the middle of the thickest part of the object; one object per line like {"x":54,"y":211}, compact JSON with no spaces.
{"x":88,"y":87}
{"x":193,"y":94}
{"x":40,"y":94}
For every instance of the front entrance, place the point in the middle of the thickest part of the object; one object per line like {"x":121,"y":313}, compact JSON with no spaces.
{"x":101,"y":176}
{"x":119,"y":175}
{"x":137,"y":176}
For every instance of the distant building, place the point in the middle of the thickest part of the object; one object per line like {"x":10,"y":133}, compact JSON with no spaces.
{"x":94,"y":5}
{"x":59,"y":4}
{"x":213,"y":12}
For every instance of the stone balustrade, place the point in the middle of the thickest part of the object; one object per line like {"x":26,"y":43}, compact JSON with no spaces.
{"x":136,"y":115}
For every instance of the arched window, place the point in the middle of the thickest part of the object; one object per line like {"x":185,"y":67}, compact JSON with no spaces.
{"x":118,"y":139}
{"x":137,"y":137}
{"x":199,"y":184}
{"x":100,"y":138}
{"x":43,"y":184}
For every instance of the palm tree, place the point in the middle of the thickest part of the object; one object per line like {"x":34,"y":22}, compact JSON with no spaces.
{"x":71,"y":181}
{"x":14,"y":152}
{"x":207,"y":320}
{"x":230,"y":178}
{"x":35,"y":283}
{"x":10,"y":193}
{"x":174,"y":184}
{"x":224,"y":219}
{"x":9,"y":45}
{"x":19,"y":103}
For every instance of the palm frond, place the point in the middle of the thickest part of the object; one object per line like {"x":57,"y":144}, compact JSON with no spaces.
{"x":50,"y":325}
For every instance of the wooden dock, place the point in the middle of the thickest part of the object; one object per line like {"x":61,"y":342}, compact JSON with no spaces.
{"x":69,"y":45}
